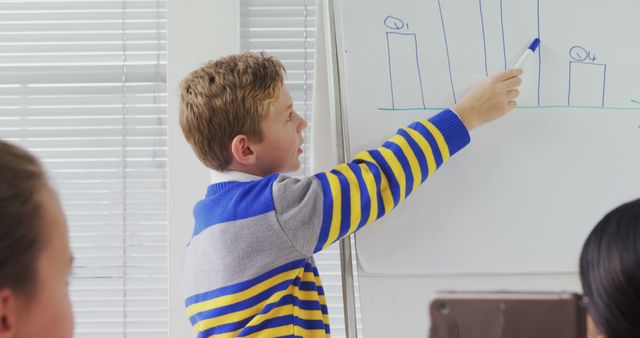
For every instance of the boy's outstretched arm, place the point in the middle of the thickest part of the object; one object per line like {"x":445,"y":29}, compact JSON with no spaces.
{"x":317,"y":211}
{"x":490,"y":99}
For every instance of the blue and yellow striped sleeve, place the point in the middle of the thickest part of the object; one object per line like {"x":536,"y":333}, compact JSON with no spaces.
{"x":357,"y":193}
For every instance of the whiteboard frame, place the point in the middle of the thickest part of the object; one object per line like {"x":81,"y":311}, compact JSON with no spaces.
{"x":337,"y":107}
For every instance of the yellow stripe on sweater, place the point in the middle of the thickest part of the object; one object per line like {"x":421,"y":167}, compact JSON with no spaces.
{"x":283,"y":330}
{"x":306,"y":295}
{"x":397,"y":170}
{"x":302,"y":332}
{"x":240,"y":315}
{"x":442,"y":144}
{"x":307,"y":314}
{"x":285,"y":310}
{"x":227,"y":335}
{"x":336,"y":194}
{"x":384,"y":190}
{"x":240,"y":296}
{"x":273,"y":313}
{"x":288,"y":329}
{"x":323,"y":300}
{"x":307,"y":276}
{"x":426,"y":149}
{"x":416,"y":172}
{"x":370,"y":182}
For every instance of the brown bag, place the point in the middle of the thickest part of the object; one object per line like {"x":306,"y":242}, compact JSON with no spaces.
{"x":508,"y":315}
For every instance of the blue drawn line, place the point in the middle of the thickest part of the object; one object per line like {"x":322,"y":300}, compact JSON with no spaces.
{"x":484,"y":39}
{"x":446,"y":46}
{"x":412,"y":109}
{"x":415,"y":45}
{"x":579,"y":107}
{"x":393,"y":102}
{"x":415,"y":42}
{"x":393,"y":23}
{"x":539,"y":55}
{"x":604,"y":83}
{"x":635,"y":101}
{"x":504,"y":45}
{"x":569,"y":92}
{"x":524,"y":107}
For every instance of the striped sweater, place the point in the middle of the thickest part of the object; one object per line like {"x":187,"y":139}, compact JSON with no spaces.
{"x":248,"y":270}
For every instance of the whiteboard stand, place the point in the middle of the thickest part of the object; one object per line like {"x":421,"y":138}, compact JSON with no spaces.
{"x":333,"y":42}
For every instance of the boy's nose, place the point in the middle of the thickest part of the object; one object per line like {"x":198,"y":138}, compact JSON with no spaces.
{"x":303,"y":123}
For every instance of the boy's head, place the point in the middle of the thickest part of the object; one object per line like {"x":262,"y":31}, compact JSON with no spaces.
{"x":237,"y":114}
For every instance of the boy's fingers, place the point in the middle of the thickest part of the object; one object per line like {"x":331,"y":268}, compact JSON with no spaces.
{"x":512,"y":94}
{"x":511,"y":105}
{"x":509,"y":73}
{"x":512,"y":83}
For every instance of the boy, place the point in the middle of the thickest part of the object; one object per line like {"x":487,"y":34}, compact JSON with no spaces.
{"x":248,"y":269}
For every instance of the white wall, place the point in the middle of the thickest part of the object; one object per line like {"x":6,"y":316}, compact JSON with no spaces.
{"x":199,"y":30}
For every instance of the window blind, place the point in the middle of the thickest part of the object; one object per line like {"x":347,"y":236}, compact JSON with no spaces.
{"x":286,"y":29}
{"x":83,"y":86}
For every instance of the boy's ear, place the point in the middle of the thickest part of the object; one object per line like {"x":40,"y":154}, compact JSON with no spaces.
{"x":242,"y":150}
{"x":7,"y":313}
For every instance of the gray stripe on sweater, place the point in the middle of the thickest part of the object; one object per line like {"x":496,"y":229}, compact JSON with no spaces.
{"x":298,"y":204}
{"x":232,"y":252}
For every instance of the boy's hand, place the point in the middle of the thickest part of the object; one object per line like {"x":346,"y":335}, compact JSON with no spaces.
{"x":490,"y":99}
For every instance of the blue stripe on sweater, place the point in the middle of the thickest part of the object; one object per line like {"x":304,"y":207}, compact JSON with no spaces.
{"x":224,"y":328}
{"x":404,"y":162}
{"x":345,"y":208}
{"x":249,"y":199}
{"x":281,"y":321}
{"x":437,"y":154}
{"x":285,"y":300}
{"x":238,"y":287}
{"x":394,"y":187}
{"x":377,"y":175}
{"x":241,"y":305}
{"x":454,"y":131}
{"x":327,"y":212}
{"x":311,"y":286}
{"x":420,"y":156}
{"x":365,"y":200}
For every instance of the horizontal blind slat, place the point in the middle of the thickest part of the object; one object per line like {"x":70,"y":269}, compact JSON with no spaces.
{"x":84,"y":88}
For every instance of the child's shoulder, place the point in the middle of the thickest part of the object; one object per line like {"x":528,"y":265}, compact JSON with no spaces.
{"x":227,"y":201}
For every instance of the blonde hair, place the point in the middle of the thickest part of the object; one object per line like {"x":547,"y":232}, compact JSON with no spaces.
{"x":225,"y":98}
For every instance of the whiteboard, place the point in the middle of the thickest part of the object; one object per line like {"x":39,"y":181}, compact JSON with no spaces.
{"x":523,"y":196}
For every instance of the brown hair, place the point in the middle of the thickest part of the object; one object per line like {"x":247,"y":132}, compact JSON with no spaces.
{"x":226,"y":98}
{"x":21,"y":179}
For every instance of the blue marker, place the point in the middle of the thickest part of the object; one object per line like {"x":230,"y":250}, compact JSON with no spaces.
{"x":528,"y":53}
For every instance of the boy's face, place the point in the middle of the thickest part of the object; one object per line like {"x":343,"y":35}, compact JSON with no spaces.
{"x":282,"y":141}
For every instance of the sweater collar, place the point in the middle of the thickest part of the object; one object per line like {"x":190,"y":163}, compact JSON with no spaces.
{"x":232,"y":176}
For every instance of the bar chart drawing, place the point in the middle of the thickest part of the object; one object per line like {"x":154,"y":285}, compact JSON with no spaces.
{"x":405,"y":78}
{"x":454,"y":44}
{"x":587,"y":84}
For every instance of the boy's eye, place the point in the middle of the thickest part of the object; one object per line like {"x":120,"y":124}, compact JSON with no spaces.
{"x":290,"y":116}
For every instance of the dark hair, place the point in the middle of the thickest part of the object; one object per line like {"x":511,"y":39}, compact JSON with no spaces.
{"x":21,"y":178}
{"x":610,"y":272}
